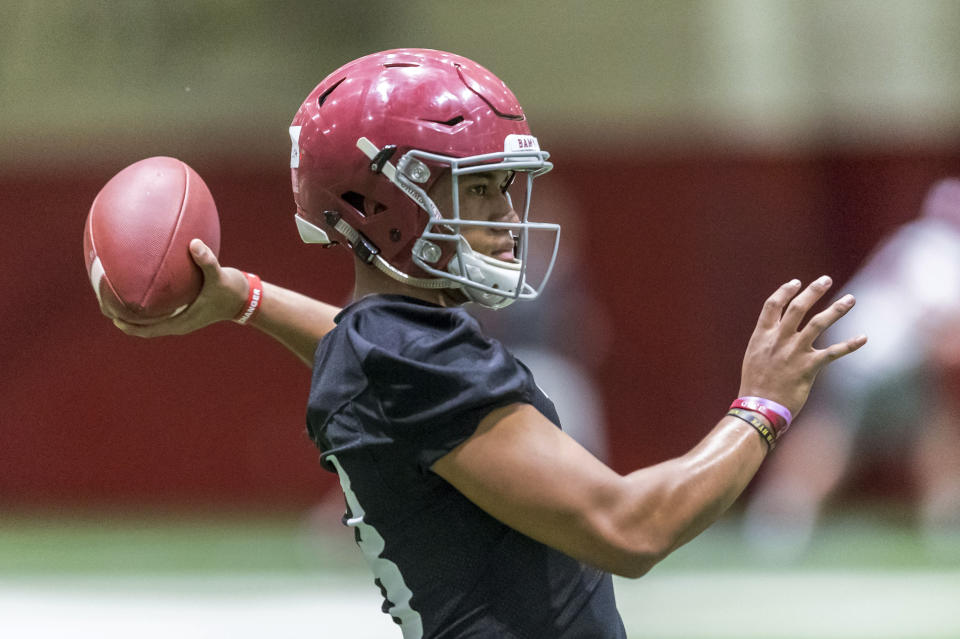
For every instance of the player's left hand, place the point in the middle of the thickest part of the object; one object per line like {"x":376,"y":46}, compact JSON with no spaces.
{"x":223,"y":294}
{"x":781,"y":362}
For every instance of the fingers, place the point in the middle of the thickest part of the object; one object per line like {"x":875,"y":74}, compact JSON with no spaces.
{"x":202,"y":255}
{"x":156,"y":329}
{"x":135,"y":330}
{"x":177,"y":324}
{"x":774,"y":305}
{"x":224,"y":290}
{"x":826,"y":318}
{"x":780,"y":361}
{"x":836,"y":351}
{"x":820,"y":322}
{"x":802,"y":303}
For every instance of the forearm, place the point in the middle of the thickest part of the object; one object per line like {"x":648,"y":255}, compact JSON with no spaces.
{"x":296,"y":321}
{"x":676,"y":500}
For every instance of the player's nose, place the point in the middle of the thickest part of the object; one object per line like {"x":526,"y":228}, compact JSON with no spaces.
{"x":505,"y":212}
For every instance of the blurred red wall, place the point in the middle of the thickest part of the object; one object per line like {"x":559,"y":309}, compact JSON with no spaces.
{"x":682,"y":252}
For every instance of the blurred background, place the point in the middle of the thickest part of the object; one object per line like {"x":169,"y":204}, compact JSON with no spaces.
{"x":705,"y":151}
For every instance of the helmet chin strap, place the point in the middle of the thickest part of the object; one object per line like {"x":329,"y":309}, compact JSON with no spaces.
{"x":312,"y":234}
{"x":419,"y":282}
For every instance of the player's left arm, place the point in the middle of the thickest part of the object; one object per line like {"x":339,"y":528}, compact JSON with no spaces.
{"x":522,"y":470}
{"x":296,"y":321}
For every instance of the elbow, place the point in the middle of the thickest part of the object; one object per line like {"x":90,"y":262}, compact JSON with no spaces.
{"x":633,"y":539}
{"x":634,"y":555}
{"x":636,"y":569}
{"x":641,"y":561}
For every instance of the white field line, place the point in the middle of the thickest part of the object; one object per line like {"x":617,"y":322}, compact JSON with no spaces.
{"x":703,"y":605}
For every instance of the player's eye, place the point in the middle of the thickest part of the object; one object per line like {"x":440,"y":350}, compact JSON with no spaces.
{"x":479,"y":189}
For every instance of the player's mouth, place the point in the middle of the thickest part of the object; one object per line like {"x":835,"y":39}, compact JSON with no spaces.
{"x":505,"y":254}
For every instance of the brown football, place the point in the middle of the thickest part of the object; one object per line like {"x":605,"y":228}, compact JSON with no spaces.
{"x":137,"y":235}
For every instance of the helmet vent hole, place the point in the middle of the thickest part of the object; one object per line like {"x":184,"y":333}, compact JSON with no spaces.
{"x":323,"y":96}
{"x":365,"y":206}
{"x":394,"y":65}
{"x":451,"y":122}
{"x":354,"y":199}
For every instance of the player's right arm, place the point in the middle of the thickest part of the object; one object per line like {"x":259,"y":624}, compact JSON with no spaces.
{"x":295,"y":320}
{"x":524,"y":471}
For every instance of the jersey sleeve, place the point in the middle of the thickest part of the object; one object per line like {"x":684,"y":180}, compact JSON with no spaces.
{"x":435,"y":388}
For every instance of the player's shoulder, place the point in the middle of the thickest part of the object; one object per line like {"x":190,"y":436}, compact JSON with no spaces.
{"x":397,"y":308}
{"x":406,"y":325}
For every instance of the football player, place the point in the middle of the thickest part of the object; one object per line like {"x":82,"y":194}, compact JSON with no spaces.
{"x":478,"y":515}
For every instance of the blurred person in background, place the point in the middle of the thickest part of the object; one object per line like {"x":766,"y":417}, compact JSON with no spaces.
{"x":478,"y":515}
{"x":897,"y":402}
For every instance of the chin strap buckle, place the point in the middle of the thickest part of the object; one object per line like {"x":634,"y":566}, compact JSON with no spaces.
{"x":364,"y":248}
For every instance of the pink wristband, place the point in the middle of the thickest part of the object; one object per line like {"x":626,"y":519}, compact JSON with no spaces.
{"x":778,"y":414}
{"x":254,"y":297}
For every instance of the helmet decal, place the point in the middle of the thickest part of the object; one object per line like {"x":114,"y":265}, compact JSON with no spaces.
{"x":514,"y":142}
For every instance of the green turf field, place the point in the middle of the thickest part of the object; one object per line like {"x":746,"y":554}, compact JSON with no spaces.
{"x":867,"y":575}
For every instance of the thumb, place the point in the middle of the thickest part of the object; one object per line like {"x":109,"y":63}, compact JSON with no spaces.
{"x":202,"y":255}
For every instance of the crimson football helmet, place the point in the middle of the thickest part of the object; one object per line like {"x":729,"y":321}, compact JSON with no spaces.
{"x":373,"y":137}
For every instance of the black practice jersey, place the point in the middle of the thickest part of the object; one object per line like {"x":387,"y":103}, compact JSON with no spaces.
{"x":396,"y":385}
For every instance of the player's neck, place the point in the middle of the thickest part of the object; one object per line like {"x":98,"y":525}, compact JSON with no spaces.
{"x":368,"y":280}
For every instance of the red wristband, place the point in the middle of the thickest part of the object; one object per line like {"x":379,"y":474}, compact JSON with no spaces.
{"x":254,"y":297}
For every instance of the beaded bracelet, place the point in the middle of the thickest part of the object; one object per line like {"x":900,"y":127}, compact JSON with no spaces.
{"x":254,"y":297}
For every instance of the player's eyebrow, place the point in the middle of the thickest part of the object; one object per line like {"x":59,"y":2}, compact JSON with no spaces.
{"x":488,"y":178}
{"x":483,"y":175}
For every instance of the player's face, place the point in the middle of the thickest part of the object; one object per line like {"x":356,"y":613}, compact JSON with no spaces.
{"x":483,"y":197}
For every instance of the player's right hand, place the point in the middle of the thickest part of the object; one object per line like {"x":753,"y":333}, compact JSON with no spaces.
{"x":223,"y":294}
{"x":781,"y":362}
